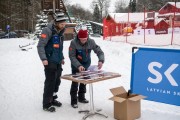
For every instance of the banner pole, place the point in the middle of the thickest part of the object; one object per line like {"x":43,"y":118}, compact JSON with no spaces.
{"x":144,"y":23}
{"x":173,"y":24}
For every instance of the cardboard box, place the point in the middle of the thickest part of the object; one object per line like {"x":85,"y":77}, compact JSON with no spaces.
{"x":126,"y":106}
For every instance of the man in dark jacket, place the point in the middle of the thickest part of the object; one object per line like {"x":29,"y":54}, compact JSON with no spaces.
{"x":80,"y":56}
{"x":50,"y":50}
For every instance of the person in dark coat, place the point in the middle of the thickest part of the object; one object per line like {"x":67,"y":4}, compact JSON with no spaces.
{"x":80,"y":57}
{"x":50,"y":50}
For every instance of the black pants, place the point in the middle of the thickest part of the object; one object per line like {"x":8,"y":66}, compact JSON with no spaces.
{"x":74,"y":91}
{"x":51,"y":85}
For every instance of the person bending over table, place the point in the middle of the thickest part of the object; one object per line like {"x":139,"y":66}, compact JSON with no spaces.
{"x":80,"y":57}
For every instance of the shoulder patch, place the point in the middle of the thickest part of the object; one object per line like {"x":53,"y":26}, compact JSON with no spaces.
{"x":43,"y":36}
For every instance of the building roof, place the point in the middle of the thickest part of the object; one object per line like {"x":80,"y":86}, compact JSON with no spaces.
{"x":173,"y":4}
{"x":133,"y":17}
{"x":159,"y":20}
{"x":99,"y":24}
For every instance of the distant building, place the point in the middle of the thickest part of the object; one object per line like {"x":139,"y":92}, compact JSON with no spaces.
{"x":161,"y":27}
{"x":169,"y":11}
{"x":114,"y":23}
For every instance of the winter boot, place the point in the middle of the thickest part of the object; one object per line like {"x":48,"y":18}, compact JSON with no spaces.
{"x":74,"y":101}
{"x":49,"y":109}
{"x":56,"y":103}
{"x":82,"y":99}
{"x":74,"y":105}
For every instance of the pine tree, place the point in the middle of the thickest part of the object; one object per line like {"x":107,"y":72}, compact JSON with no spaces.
{"x":133,"y":9}
{"x":42,"y":22}
{"x":96,"y":14}
{"x":132,"y":5}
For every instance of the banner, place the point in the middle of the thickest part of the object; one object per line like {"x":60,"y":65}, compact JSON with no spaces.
{"x":155,"y":73}
{"x":141,"y":32}
{"x":176,"y":31}
{"x":161,"y":31}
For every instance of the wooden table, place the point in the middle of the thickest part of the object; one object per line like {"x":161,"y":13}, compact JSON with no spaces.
{"x":90,"y":78}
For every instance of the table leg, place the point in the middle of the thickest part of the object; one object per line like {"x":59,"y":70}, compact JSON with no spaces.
{"x":92,"y":111}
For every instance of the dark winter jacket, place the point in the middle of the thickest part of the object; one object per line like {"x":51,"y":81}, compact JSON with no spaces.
{"x":50,"y":46}
{"x":80,"y":55}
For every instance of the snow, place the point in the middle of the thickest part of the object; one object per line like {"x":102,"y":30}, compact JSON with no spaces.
{"x":22,"y":82}
{"x":169,"y":14}
{"x":96,"y":23}
{"x":123,"y":17}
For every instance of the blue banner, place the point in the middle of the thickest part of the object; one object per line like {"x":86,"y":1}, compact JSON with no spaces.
{"x":155,"y":73}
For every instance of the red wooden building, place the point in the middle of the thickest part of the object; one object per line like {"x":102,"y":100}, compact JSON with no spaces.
{"x":114,"y":23}
{"x":161,"y":27}
{"x":170,"y":7}
{"x":167,"y":17}
{"x":150,"y":20}
{"x":171,"y":11}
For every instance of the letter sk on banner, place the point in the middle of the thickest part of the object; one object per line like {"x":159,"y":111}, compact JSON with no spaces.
{"x":155,"y":73}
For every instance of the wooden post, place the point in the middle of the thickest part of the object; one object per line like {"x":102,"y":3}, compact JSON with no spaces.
{"x":54,"y":6}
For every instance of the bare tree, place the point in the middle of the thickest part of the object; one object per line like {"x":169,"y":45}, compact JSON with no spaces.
{"x":79,"y":12}
{"x":120,"y":6}
{"x":66,"y":2}
{"x":106,"y":7}
{"x":103,"y":6}
{"x":154,"y":5}
{"x":19,"y":14}
{"x":93,"y":4}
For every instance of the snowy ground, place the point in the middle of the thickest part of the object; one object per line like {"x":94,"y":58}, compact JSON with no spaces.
{"x":22,"y":81}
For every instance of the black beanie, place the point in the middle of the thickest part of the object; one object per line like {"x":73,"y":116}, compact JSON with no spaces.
{"x":59,"y":17}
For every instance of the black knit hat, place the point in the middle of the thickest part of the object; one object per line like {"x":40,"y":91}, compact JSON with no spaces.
{"x":59,"y":17}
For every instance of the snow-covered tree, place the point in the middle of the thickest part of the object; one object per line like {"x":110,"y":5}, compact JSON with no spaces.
{"x":42,"y":22}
